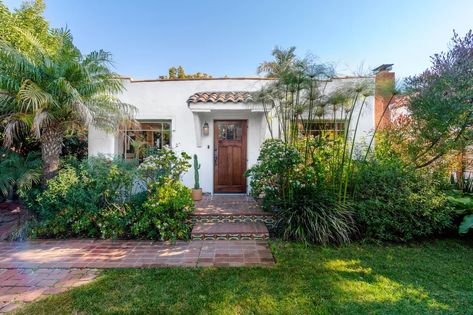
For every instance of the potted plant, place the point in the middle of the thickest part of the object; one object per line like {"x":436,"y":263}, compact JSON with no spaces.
{"x":196,"y":191}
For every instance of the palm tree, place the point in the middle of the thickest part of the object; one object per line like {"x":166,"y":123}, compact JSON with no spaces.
{"x":283,"y":62}
{"x":49,"y":93}
{"x":18,"y":172}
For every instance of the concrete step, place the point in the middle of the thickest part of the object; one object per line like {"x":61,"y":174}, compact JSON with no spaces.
{"x":230,"y":231}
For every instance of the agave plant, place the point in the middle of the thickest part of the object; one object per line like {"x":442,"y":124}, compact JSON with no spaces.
{"x":18,"y":172}
{"x":48,"y":93}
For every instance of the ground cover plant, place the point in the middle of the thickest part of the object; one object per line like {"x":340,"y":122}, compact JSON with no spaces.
{"x":429,"y":278}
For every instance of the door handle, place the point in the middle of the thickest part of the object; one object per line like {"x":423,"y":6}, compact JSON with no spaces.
{"x":215,"y":156}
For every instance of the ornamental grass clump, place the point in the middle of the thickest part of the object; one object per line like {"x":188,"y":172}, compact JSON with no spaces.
{"x":301,"y":196}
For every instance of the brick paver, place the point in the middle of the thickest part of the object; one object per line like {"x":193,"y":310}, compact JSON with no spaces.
{"x":122,"y":254}
{"x":18,"y":286}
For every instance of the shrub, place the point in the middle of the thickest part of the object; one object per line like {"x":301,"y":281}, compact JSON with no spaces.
{"x":166,"y":212}
{"x":270,"y":176}
{"x":102,"y":198}
{"x":165,"y":164}
{"x":462,"y":203}
{"x":306,"y":206}
{"x":395,"y":202}
{"x":116,"y":221}
{"x":75,"y":201}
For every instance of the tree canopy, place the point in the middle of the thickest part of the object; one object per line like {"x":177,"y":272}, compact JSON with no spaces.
{"x":441,"y":103}
{"x":180,"y":73}
{"x":28,"y":19}
{"x":48,"y":90}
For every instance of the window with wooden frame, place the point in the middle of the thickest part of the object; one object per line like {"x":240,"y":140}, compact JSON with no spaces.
{"x":147,"y":135}
{"x":322,"y":128}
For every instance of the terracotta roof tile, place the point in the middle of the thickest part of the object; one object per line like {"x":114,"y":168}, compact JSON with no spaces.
{"x":221,"y":97}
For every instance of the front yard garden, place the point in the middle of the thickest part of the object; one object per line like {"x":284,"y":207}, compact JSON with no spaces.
{"x":362,"y":225}
{"x":434,"y":277}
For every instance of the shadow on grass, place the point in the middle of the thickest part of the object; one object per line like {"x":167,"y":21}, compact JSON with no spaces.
{"x":428,"y":278}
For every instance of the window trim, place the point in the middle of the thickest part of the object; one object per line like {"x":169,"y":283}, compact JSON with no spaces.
{"x":125,"y":130}
{"x":337,"y":122}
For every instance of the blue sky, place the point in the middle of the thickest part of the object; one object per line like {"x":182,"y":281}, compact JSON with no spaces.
{"x":231,"y":38}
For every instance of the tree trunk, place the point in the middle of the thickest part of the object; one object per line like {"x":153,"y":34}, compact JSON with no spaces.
{"x":51,"y":147}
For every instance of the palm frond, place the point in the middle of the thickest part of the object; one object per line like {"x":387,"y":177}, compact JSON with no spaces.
{"x":32,"y":97}
{"x":9,"y":84}
{"x":41,"y":119}
{"x":15,"y":126}
{"x":15,"y":63}
{"x":32,"y":40}
{"x":18,"y":171}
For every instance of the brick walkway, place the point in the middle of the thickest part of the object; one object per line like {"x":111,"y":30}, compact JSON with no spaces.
{"x":33,"y":269}
{"x":131,"y":254}
{"x":18,"y":286}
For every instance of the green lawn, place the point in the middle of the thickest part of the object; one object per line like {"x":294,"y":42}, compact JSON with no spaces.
{"x":428,"y":278}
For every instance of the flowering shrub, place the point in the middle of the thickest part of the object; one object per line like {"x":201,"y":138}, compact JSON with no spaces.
{"x":165,"y":164}
{"x":97,"y":198}
{"x":166,"y":212}
{"x":270,"y":177}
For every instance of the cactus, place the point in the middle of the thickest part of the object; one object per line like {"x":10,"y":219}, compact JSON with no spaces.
{"x":196,"y":172}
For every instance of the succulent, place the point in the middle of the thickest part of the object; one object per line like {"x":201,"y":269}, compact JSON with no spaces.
{"x":196,"y":172}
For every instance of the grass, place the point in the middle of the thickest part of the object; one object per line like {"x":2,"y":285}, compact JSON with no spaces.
{"x":428,"y":278}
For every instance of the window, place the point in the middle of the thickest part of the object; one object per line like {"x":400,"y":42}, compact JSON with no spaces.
{"x":323,"y":128}
{"x":146,"y":136}
{"x":229,"y":131}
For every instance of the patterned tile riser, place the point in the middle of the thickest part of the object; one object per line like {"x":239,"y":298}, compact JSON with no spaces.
{"x":216,"y":237}
{"x":268,"y":220}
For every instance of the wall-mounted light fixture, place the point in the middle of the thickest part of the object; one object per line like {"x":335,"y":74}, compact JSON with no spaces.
{"x":205,"y":129}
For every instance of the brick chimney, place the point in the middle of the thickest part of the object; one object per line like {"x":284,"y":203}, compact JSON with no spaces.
{"x":384,"y":88}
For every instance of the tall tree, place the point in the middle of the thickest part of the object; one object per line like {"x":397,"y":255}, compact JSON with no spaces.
{"x":28,"y":18}
{"x":441,"y":103}
{"x":180,"y":73}
{"x":172,"y":73}
{"x":49,"y":92}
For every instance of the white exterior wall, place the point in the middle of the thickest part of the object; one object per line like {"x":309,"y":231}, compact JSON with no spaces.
{"x":101,"y":142}
{"x":367,"y":119}
{"x":167,"y":100}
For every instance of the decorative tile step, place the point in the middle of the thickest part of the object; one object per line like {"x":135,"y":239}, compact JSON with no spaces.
{"x":263,"y":217}
{"x":230,"y":231}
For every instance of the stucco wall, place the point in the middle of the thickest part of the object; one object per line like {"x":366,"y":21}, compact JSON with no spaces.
{"x":159,"y":100}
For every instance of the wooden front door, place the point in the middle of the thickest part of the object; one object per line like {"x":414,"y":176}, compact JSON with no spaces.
{"x":229,"y":156}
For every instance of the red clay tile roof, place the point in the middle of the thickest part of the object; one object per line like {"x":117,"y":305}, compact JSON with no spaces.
{"x":221,"y":97}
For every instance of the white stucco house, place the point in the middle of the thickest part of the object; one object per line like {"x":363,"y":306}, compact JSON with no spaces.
{"x":214,"y":118}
